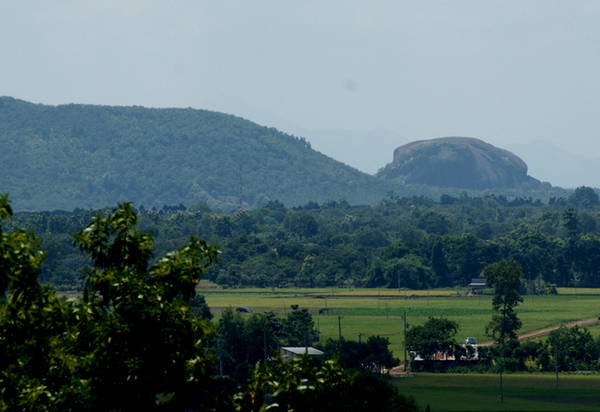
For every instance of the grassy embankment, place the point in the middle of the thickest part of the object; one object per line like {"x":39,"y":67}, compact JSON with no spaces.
{"x":379,"y":311}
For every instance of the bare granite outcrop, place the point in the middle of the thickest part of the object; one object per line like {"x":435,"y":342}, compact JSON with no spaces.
{"x":460,"y":162}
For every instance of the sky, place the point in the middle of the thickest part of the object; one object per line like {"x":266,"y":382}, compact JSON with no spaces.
{"x":355,"y":78}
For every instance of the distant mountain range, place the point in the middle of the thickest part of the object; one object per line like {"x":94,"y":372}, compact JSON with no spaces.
{"x":557,"y":165}
{"x":85,"y":156}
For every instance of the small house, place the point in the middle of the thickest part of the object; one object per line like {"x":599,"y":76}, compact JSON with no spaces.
{"x":293,"y":352}
{"x":477,"y":284}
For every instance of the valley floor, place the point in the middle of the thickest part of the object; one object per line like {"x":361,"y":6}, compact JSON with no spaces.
{"x":366,"y":312}
{"x":522,"y":392}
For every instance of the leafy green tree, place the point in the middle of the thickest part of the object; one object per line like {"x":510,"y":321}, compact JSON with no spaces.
{"x":434,"y":336}
{"x":584,"y":197}
{"x":301,"y":224}
{"x":435,"y":223}
{"x":200,"y":308}
{"x":438,"y":263}
{"x":306,"y":275}
{"x":373,"y":355}
{"x":140,"y":343}
{"x":231,"y":345}
{"x":409,"y":271}
{"x":37,"y":367}
{"x":299,"y":328}
{"x":242,"y":340}
{"x":505,"y":277}
{"x":466,"y":257}
{"x":570,"y":222}
{"x":264,"y":332}
{"x":572,"y":348}
{"x":533,"y":356}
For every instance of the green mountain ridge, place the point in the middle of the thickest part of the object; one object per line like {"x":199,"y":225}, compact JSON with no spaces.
{"x":86,"y":156}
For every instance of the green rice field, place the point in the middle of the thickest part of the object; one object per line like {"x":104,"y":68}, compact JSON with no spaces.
{"x":522,"y":392}
{"x":369,"y":312}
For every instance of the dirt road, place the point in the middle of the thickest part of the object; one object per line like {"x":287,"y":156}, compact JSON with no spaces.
{"x":543,"y":332}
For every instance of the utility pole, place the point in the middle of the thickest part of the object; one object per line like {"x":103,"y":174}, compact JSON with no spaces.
{"x":405,"y":348}
{"x":360,"y":338}
{"x":220,"y":350}
{"x":319,"y":325}
{"x":501,"y":382}
{"x":339,"y":328}
{"x":556,"y":363}
{"x":306,"y":341}
{"x":502,"y":370}
{"x":265,"y":339}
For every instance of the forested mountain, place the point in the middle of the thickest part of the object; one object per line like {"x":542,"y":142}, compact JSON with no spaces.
{"x":82,"y":156}
{"x":69,"y":156}
{"x":407,"y":242}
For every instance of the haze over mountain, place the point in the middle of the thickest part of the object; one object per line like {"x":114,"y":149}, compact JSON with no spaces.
{"x":563,"y":168}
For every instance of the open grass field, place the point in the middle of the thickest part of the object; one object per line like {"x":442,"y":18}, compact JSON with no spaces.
{"x":379,"y":311}
{"x":578,"y":291}
{"x":522,"y":392}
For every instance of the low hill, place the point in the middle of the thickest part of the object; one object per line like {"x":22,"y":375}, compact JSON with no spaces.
{"x":458,"y":162}
{"x":69,"y":156}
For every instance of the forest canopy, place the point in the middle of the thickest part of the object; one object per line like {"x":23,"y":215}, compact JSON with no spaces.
{"x":412,"y":242}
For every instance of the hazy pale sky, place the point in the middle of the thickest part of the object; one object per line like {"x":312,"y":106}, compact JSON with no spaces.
{"x":356,"y":78}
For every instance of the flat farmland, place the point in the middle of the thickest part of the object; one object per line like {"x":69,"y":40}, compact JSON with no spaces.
{"x":369,"y":312}
{"x":522,"y":392}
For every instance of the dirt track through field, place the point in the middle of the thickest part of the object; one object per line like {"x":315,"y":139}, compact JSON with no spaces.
{"x":543,"y":332}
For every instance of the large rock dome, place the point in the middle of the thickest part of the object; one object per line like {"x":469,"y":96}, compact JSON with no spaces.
{"x":461,"y":162}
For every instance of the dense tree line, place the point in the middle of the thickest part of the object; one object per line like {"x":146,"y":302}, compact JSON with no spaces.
{"x":401,"y":242}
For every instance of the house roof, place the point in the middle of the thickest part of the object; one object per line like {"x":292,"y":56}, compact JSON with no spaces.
{"x":477,"y":282}
{"x":302,"y":350}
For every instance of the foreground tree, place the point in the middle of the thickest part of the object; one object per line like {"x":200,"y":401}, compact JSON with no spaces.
{"x":299,"y":328}
{"x":301,"y":385}
{"x":131,"y":342}
{"x":37,"y":367}
{"x":141,"y":344}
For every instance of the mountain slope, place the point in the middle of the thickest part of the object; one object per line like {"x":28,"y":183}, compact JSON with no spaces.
{"x":459,"y":162}
{"x":68,"y":156}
